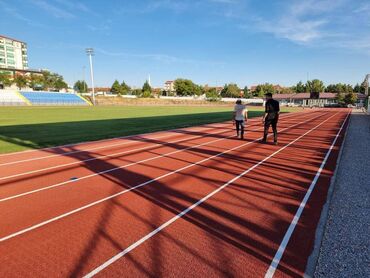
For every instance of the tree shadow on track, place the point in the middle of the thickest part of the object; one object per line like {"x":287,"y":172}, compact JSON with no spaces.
{"x":224,"y":225}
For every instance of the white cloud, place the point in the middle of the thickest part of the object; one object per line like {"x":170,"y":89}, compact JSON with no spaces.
{"x":52,"y":9}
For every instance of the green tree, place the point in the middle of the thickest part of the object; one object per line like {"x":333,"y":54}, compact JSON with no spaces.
{"x":59,"y":83}
{"x":146,"y":87}
{"x":340,"y":98}
{"x":247,"y":93}
{"x":116,"y":88}
{"x":5,"y":79}
{"x":36,"y":81}
{"x":20,"y":81}
{"x":212,"y":95}
{"x":350,"y":98}
{"x":186,"y":87}
{"x":80,"y":86}
{"x":263,"y":89}
{"x":299,"y":87}
{"x":359,"y":89}
{"x":315,"y":86}
{"x":231,"y":90}
{"x":125,"y":89}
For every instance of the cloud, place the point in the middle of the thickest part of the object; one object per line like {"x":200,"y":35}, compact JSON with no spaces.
{"x":52,"y":9}
{"x":16,"y":15}
{"x":163,"y":58}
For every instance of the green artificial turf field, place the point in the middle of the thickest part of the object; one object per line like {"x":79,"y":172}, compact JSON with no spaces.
{"x":36,"y":127}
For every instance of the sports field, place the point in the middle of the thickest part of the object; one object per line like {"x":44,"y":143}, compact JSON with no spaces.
{"x":194,"y":202}
{"x":35,"y":127}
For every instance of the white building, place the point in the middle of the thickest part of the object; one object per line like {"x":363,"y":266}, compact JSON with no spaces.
{"x":13,"y":54}
{"x":169,"y":86}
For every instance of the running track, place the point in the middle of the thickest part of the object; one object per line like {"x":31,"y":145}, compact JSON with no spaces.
{"x":192,"y":202}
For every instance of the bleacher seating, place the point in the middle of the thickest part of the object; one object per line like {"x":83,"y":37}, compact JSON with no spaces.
{"x":11,"y":97}
{"x":51,"y":98}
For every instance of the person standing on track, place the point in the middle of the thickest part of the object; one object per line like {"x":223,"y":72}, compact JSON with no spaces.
{"x":271,"y":117}
{"x":240,"y":116}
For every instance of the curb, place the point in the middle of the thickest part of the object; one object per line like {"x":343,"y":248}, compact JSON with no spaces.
{"x":321,"y":227}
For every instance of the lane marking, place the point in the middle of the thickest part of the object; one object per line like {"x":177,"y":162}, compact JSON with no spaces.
{"x":182,"y":213}
{"x":138,"y":186}
{"x":279,"y":253}
{"x":120,"y":167}
{"x":109,"y":155}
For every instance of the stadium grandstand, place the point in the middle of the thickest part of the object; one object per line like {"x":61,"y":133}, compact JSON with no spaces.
{"x":13,"y":97}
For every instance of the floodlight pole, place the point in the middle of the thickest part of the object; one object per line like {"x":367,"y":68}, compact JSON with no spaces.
{"x":90,"y":53}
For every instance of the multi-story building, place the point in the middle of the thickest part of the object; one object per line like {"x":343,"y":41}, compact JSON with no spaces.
{"x":13,"y":54}
{"x":169,"y":86}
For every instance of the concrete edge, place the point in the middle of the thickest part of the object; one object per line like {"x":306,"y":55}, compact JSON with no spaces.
{"x":321,"y":227}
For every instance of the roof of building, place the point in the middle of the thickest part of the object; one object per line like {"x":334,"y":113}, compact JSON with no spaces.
{"x":303,"y":96}
{"x":9,"y":38}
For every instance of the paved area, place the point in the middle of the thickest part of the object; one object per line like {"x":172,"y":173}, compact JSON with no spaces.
{"x":345,"y":250}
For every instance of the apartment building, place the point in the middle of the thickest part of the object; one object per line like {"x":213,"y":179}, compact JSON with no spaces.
{"x":13,"y":54}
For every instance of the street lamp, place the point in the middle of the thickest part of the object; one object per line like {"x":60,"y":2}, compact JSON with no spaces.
{"x":90,"y":53}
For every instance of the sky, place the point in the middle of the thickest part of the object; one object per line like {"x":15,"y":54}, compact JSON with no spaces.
{"x":208,"y":41}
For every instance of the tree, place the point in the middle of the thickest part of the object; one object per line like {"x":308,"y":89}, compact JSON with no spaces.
{"x":5,"y":79}
{"x":350,"y":98}
{"x":231,"y":90}
{"x":263,"y":89}
{"x":247,"y":93}
{"x":360,"y":89}
{"x":125,"y":89}
{"x":116,"y":88}
{"x":80,"y":86}
{"x":59,"y":83}
{"x":315,"y":86}
{"x":20,"y":81}
{"x":300,"y":87}
{"x":36,"y":81}
{"x":186,"y":87}
{"x":146,"y":87}
{"x":212,"y":95}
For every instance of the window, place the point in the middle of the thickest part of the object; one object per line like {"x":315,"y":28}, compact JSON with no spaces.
{"x":10,"y":55}
{"x":2,"y":60}
{"x":2,"y":54}
{"x":9,"y":42}
{"x":11,"y":62}
{"x":9,"y":48}
{"x":2,"y":47}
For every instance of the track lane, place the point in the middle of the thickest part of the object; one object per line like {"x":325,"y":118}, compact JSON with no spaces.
{"x":207,"y":169}
{"x":29,"y":183}
{"x":252,"y":234}
{"x":65,"y":150}
{"x":78,"y":150}
{"x":82,"y":192}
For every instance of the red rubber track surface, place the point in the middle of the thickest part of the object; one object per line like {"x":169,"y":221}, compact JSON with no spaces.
{"x":51,"y":227}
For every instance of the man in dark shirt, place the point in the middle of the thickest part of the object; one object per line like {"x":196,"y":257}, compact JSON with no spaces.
{"x":271,"y":117}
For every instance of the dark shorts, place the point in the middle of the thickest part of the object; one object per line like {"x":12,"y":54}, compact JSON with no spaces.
{"x":271,"y":122}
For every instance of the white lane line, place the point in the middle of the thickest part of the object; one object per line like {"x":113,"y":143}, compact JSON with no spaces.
{"x":104,"y":156}
{"x":115,"y":168}
{"x":137,"y":186}
{"x":93,"y":149}
{"x":279,"y":253}
{"x":110,"y":155}
{"x":181,"y":214}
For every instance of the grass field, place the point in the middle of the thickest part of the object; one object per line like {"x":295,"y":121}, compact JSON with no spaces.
{"x":24,"y":128}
